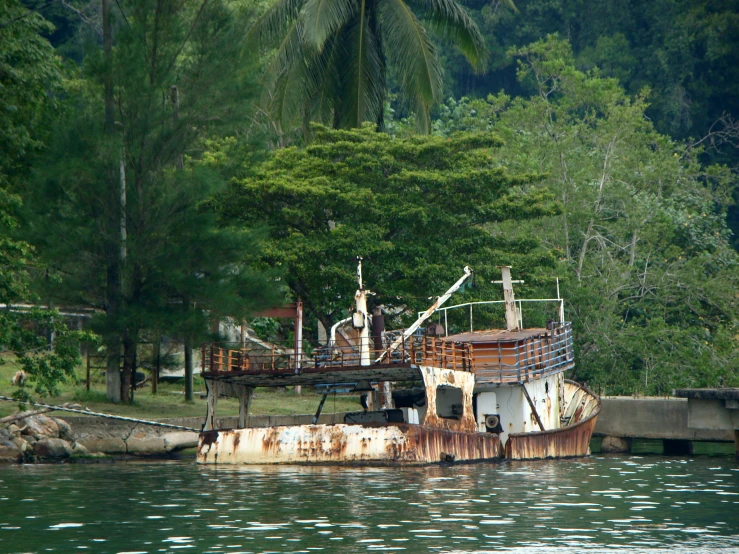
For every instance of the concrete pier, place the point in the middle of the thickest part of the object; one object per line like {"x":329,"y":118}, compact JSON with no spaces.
{"x":658,"y":418}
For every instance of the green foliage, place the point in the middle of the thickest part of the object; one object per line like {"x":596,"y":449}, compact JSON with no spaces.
{"x":652,"y":280}
{"x":20,"y":326}
{"x":331,"y":57}
{"x":158,"y":263}
{"x":29,"y":72}
{"x":417,"y":209}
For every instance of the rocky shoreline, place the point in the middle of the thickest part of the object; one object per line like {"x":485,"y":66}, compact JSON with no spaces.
{"x":42,"y":438}
{"x":47,"y":439}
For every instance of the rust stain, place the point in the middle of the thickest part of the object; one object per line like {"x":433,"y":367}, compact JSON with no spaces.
{"x":565,"y":442}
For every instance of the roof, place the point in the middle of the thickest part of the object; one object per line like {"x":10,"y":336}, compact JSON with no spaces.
{"x":331,"y":375}
{"x":496,"y":335}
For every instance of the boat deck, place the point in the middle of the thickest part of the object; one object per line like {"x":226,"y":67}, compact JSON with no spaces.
{"x":494,"y":357}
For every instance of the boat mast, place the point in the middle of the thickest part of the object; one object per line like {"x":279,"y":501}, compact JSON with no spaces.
{"x":512,"y":314}
{"x":360,"y":319}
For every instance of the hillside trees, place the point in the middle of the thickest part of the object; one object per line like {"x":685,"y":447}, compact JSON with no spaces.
{"x":642,"y":233}
{"x":417,"y":209}
{"x":119,"y":219}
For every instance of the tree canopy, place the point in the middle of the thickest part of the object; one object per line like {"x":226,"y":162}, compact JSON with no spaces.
{"x":418,"y":209}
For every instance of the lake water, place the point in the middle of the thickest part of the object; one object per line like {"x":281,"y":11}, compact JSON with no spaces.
{"x":597,"y":503}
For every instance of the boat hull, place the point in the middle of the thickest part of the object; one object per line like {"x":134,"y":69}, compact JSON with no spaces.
{"x":570,"y":441}
{"x":346,"y":444}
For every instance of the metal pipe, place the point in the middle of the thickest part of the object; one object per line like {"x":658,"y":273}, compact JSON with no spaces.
{"x":109,"y":416}
{"x":332,"y":335}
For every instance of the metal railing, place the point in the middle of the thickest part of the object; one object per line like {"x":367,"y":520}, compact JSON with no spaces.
{"x":468,"y":306}
{"x":231,"y":357}
{"x":521,"y":360}
{"x":506,"y":360}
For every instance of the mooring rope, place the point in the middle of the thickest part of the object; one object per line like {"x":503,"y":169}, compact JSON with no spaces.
{"x":109,"y":416}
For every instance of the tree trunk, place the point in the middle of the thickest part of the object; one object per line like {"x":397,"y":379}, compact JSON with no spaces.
{"x":129,"y":363}
{"x":113,"y":273}
{"x":188,"y":369}
{"x":157,"y":365}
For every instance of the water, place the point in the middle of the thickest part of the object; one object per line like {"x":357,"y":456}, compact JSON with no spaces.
{"x":597,"y":503}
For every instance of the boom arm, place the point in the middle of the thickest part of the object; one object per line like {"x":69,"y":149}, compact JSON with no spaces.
{"x":427,"y":314}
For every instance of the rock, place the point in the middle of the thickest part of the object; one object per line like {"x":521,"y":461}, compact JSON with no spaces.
{"x":145,"y":444}
{"x":41,"y":426}
{"x":615,"y":445}
{"x":180,"y":440}
{"x":79,"y":450}
{"x":65,"y":430}
{"x":107,"y":445}
{"x":52,"y":448}
{"x":5,"y":434}
{"x":14,"y":429}
{"x":9,"y":452}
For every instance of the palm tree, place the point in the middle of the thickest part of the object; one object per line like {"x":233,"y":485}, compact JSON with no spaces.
{"x":331,"y":56}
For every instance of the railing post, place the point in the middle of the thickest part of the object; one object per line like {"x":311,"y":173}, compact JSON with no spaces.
{"x":211,"y":356}
{"x":518,"y":362}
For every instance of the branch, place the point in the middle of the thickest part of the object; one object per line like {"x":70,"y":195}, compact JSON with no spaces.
{"x":29,"y":12}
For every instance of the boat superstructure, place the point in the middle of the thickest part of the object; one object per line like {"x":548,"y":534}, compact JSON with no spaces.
{"x":427,"y":396}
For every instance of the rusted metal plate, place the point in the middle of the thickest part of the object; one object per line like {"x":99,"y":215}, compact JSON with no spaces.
{"x":566,"y":442}
{"x":341,"y":443}
{"x":433,"y":377}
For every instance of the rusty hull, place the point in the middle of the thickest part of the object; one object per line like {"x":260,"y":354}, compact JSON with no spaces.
{"x":566,"y":442}
{"x":346,"y":444}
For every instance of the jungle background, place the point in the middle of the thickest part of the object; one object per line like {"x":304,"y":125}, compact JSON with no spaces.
{"x":168,"y":163}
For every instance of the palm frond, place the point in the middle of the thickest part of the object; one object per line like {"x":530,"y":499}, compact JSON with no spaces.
{"x":451,"y":20}
{"x":270,"y":27}
{"x":414,"y":57}
{"x":322,"y":18}
{"x":363,"y":78}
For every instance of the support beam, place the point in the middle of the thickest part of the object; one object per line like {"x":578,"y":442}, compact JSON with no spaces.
{"x":320,"y":408}
{"x":533,"y":408}
{"x":245,"y":396}
{"x":212,"y":400}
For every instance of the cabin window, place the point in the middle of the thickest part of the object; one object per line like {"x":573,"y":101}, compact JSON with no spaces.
{"x":449,"y":402}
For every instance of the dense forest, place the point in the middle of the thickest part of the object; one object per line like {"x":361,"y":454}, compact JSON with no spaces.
{"x":169,"y":163}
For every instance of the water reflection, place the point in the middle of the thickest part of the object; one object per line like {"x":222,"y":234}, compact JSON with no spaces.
{"x":595,"y":503}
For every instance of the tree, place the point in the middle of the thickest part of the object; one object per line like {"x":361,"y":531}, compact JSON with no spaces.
{"x":112,"y":208}
{"x":29,"y":75}
{"x":417,"y":209}
{"x":331,"y":59}
{"x":651,"y":277}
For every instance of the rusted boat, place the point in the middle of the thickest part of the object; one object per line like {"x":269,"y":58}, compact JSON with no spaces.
{"x":427,"y":396}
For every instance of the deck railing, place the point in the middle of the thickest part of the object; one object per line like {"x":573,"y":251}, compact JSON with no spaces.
{"x":507,"y":361}
{"x":525,"y":359}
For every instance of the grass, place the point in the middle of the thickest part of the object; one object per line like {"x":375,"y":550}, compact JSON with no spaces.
{"x":170,"y":401}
